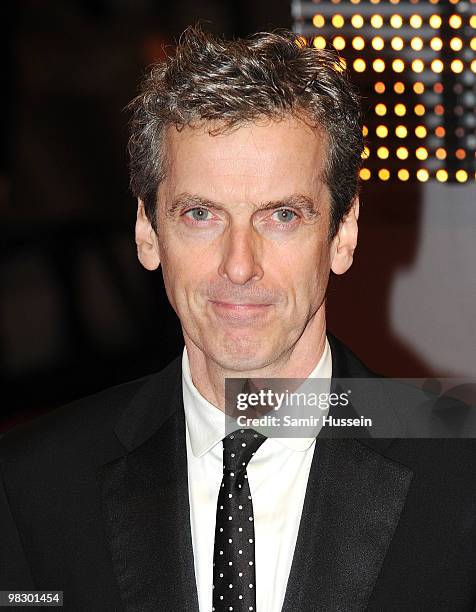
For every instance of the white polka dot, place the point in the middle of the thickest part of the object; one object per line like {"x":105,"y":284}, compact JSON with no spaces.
{"x":240,"y":528}
{"x":230,"y":562}
{"x":232,"y":454}
{"x":240,"y":507}
{"x":240,"y":596}
{"x":221,"y":552}
{"x":250,"y":562}
{"x":230,"y":540}
{"x":221,"y":575}
{"x":230,"y":518}
{"x":232,"y":473}
{"x":243,"y":444}
{"x":250,"y":585}
{"x":250,"y":518}
{"x":230,"y":586}
{"x":230,"y":495}
{"x":221,"y":596}
{"x":221,"y":529}
{"x":240,"y":574}
{"x":250,"y":540}
{"x":242,"y":430}
{"x":240,"y":552}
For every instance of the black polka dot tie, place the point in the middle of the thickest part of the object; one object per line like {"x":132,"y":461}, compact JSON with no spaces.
{"x":234,"y":588}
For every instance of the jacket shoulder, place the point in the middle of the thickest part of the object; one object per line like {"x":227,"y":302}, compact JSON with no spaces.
{"x":84,"y":427}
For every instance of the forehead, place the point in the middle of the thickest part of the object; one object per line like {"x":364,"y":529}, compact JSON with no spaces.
{"x":264,"y":159}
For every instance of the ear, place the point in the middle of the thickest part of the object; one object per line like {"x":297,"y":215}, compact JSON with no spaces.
{"x":146,"y":240}
{"x":345,"y":241}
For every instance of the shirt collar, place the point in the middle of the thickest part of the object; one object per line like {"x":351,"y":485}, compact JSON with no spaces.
{"x":206,"y":423}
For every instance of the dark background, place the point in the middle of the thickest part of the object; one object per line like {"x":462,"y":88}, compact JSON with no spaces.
{"x":78,"y":313}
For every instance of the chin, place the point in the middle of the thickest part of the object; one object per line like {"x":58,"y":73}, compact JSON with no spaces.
{"x":243,"y":354}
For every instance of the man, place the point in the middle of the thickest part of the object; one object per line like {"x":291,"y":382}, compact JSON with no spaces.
{"x":244,"y":160}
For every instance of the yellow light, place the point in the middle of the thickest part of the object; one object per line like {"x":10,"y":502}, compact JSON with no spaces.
{"x":339,"y":43}
{"x":416,"y":21}
{"x":416,"y":43}
{"x":383,"y":174}
{"x":381,"y":131}
{"x":359,"y":65}
{"x":318,"y":21}
{"x":418,"y":87}
{"x":398,"y":65}
{"x":338,"y":21}
{"x":457,"y":66}
{"x":473,"y":65}
{"x":441,"y":175}
{"x":365,"y":131}
{"x":420,"y":131}
{"x":378,"y":65}
{"x":435,"y":21}
{"x":422,"y":175}
{"x":437,"y":66}
{"x":380,"y":110}
{"x":365,"y":153}
{"x":376,"y":21}
{"x":436,"y":43}
{"x":418,"y":66}
{"x":396,"y":21}
{"x":355,"y":1}
{"x":402,"y":153}
{"x":365,"y":174}
{"x":401,"y":131}
{"x":319,"y":42}
{"x":440,"y":153}
{"x":455,"y":21}
{"x":400,"y":110}
{"x":461,"y":176}
{"x":421,"y":153}
{"x":456,"y":44}
{"x":472,"y":43}
{"x":419,"y":110}
{"x":472,"y":21}
{"x":403,"y":174}
{"x":397,"y":43}
{"x":357,"y":21}
{"x":399,"y":87}
{"x":379,"y":87}
{"x":358,"y":43}
{"x":378,"y":43}
{"x":382,"y":152}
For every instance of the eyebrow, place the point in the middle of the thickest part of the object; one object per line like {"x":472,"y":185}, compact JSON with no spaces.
{"x":299,"y":201}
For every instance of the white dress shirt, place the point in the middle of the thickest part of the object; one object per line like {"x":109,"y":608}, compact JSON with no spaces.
{"x":277,"y":476}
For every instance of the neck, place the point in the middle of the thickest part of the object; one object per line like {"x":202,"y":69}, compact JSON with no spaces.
{"x":298,"y":361}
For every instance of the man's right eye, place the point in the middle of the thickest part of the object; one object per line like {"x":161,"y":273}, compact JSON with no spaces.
{"x":198,"y":214}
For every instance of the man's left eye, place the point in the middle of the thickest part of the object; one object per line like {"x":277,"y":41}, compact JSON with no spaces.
{"x":284,"y":215}
{"x":198,"y":214}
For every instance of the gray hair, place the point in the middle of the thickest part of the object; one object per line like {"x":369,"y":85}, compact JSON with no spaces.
{"x":230,"y":82}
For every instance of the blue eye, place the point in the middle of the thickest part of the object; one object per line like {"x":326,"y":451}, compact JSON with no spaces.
{"x":198,"y":214}
{"x":285,"y":215}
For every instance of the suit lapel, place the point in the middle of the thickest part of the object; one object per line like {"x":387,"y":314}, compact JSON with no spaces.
{"x":353,"y":502}
{"x":145,"y":502}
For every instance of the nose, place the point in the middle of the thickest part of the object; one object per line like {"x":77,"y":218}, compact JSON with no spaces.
{"x":241,"y":256}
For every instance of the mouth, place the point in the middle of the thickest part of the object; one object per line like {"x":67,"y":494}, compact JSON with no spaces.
{"x":240,"y":311}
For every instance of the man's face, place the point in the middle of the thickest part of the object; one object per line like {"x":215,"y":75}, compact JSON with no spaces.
{"x":243,"y":222}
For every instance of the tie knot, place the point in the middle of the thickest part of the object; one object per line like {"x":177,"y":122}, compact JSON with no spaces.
{"x":239,"y":447}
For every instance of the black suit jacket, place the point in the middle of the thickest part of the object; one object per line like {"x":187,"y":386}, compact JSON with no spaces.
{"x":94,"y":502}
